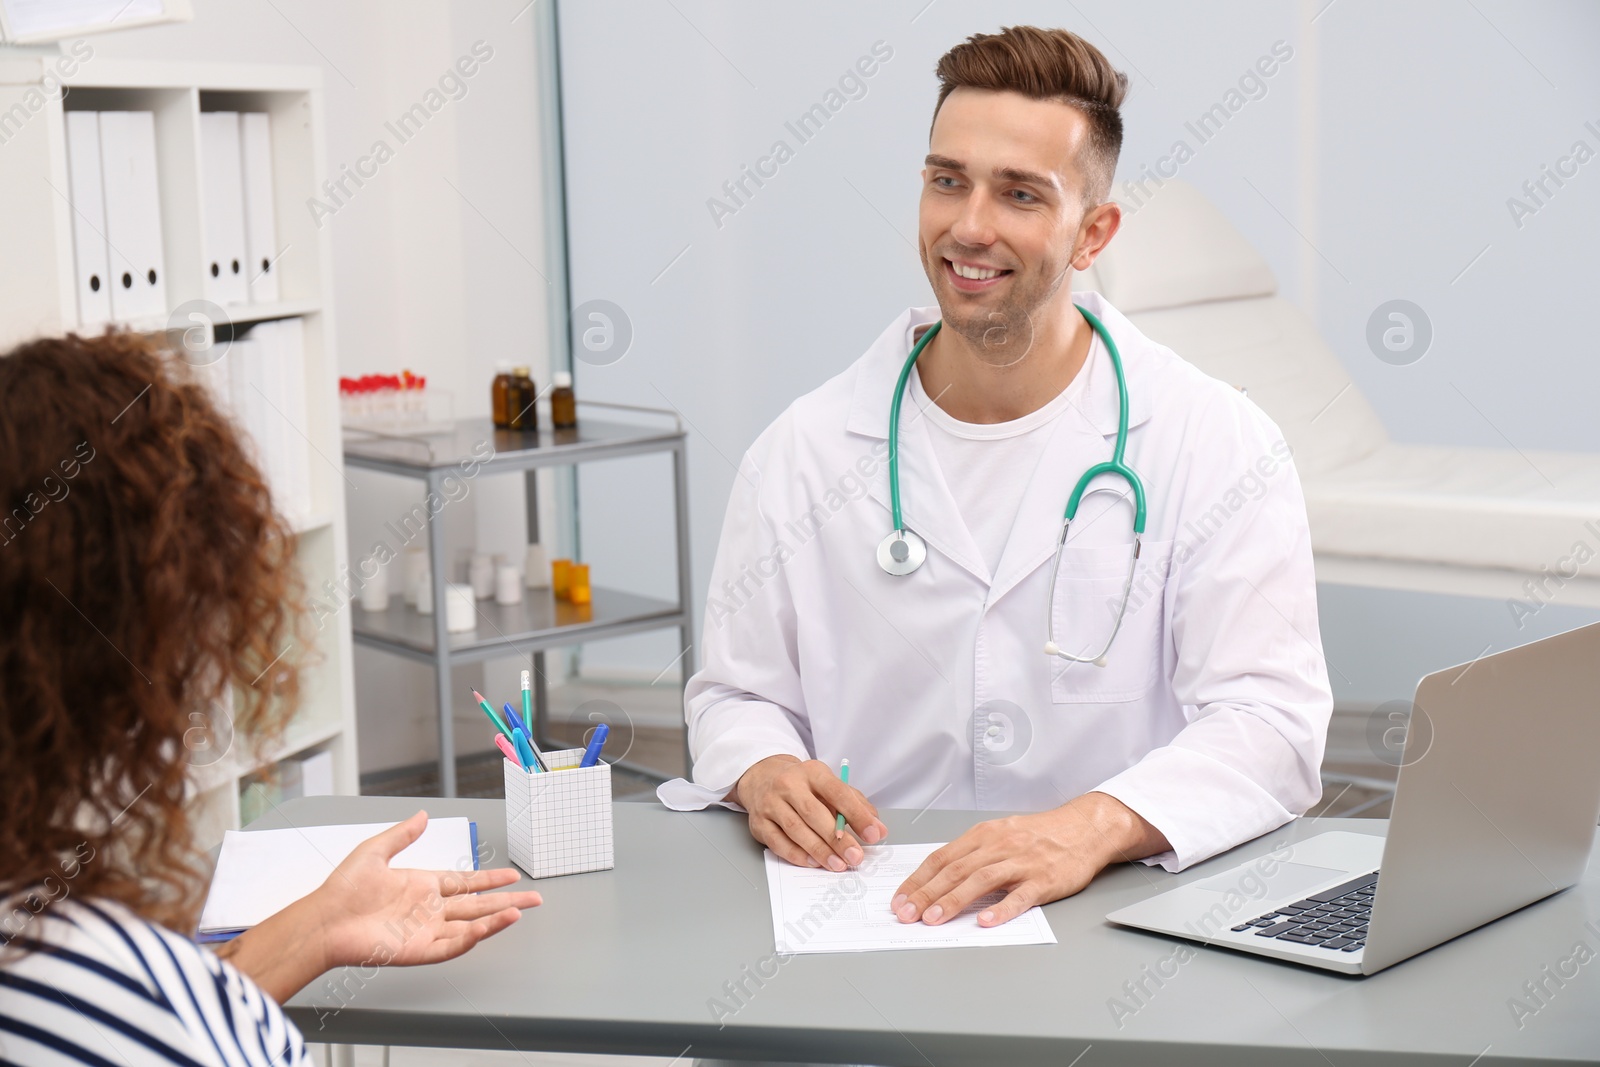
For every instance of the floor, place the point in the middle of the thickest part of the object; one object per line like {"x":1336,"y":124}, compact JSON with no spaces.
{"x":1361,"y":764}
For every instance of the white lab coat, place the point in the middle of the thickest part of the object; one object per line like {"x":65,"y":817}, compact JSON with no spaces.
{"x":1210,"y":716}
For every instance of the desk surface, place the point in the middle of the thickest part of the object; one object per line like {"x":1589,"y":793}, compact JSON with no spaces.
{"x":633,"y":961}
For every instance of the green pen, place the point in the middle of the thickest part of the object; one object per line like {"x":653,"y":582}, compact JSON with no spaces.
{"x":499,"y":723}
{"x":844,"y":776}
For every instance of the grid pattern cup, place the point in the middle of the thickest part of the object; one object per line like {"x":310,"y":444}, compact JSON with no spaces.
{"x":559,"y":822}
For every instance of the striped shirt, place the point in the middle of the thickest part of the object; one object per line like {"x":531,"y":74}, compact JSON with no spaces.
{"x":98,"y":985}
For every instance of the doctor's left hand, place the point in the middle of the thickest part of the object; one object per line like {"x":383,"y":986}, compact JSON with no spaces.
{"x":1034,"y":859}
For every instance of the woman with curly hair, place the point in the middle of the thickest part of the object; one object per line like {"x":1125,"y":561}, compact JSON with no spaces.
{"x":143,"y":574}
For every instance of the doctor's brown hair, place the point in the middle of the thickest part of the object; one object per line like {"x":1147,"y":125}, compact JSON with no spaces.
{"x":144,"y":574}
{"x":1047,"y":65}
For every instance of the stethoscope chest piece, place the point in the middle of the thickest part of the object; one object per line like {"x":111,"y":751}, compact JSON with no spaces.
{"x":901,"y":552}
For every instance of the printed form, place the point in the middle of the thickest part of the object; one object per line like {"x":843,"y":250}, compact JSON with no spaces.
{"x":817,"y":910}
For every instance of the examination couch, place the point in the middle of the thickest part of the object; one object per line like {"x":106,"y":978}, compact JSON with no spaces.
{"x":1462,"y":520}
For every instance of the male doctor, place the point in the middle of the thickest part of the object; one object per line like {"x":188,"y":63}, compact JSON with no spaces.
{"x":1203,"y":724}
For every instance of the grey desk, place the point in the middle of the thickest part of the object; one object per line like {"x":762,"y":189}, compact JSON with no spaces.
{"x":629,"y":961}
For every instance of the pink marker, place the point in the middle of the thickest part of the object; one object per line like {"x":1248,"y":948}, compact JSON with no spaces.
{"x":509,"y":749}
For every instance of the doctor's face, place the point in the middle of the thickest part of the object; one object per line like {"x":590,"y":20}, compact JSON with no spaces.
{"x":1002,"y":205}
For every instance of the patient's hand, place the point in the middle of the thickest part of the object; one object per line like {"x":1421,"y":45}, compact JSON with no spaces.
{"x":370,"y":914}
{"x":1035,"y":859}
{"x":373,"y":912}
{"x":793,"y":807}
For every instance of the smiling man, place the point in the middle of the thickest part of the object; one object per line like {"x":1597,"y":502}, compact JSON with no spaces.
{"x":1147,"y":684}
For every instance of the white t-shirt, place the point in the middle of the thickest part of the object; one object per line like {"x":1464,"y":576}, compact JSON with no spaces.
{"x":988,"y":466}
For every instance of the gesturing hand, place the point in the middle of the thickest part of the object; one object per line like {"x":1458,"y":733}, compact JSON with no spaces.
{"x":793,"y":805}
{"x":1034,"y":858}
{"x":372,"y":912}
{"x":368,"y":913}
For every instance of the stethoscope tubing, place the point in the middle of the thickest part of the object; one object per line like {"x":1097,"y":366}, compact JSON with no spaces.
{"x":1115,"y":466}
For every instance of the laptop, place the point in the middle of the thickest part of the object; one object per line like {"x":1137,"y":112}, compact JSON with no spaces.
{"x":1495,"y":808}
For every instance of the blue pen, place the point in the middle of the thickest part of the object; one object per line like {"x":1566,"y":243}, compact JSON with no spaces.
{"x":525,"y":750}
{"x":516,"y":721}
{"x":513,"y":719}
{"x":591,"y":755}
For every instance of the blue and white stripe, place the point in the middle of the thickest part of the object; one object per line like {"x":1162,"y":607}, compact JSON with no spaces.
{"x":92,"y":983}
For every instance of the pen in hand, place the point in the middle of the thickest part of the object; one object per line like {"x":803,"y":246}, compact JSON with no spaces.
{"x":844,"y":776}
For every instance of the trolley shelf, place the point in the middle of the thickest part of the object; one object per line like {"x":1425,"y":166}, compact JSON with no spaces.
{"x":539,"y":622}
{"x":476,"y":441}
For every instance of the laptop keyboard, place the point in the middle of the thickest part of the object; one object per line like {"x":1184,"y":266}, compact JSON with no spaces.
{"x":1333,"y":919}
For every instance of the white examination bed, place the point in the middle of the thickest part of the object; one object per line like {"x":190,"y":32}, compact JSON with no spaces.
{"x":1467,"y":521}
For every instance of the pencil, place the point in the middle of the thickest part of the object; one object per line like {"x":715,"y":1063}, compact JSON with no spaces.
{"x":499,"y":723}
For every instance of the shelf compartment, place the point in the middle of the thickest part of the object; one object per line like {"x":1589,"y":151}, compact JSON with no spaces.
{"x":299,"y":738}
{"x":250,"y":314}
{"x":540,"y":622}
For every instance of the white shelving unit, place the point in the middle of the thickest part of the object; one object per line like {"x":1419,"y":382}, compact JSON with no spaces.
{"x":37,"y":297}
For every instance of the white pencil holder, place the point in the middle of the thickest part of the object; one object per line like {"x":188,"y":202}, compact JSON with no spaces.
{"x":559,"y":821}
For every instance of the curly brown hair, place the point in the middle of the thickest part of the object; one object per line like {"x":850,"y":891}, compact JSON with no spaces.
{"x":146,"y":575}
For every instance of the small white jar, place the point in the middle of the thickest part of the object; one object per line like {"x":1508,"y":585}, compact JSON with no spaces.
{"x":461,"y":608}
{"x":508,"y":584}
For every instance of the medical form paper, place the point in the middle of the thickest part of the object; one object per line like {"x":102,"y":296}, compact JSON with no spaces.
{"x":819,"y":911}
{"x":261,"y":872}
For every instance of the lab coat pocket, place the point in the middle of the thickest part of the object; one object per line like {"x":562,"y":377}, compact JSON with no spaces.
{"x":1088,"y":594}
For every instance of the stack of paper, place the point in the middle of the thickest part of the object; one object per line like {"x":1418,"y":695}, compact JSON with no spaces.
{"x":261,"y":872}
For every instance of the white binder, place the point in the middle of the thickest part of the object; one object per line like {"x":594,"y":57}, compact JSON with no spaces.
{"x":89,"y":260}
{"x":222,"y":201}
{"x":246,"y":382}
{"x":260,"y":229}
{"x":275,"y":428}
{"x":285,"y":343}
{"x":133,"y":215}
{"x":217,"y":378}
{"x":316,"y":775}
{"x":297,"y":456}
{"x":269,"y":396}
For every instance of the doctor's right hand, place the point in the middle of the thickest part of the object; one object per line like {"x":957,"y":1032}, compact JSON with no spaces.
{"x":792,"y":806}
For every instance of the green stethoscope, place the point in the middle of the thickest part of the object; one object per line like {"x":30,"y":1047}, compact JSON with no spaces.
{"x":903,"y":551}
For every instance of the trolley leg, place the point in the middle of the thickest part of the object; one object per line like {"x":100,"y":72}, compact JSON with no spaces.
{"x":680,"y":486}
{"x":686,"y":635}
{"x":541,"y":691}
{"x":541,"y":704}
{"x":530,"y":491}
{"x":438,"y":578}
